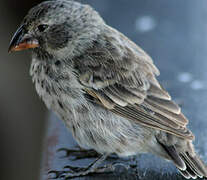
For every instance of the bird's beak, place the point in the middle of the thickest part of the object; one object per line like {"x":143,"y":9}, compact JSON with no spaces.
{"x":22,"y":40}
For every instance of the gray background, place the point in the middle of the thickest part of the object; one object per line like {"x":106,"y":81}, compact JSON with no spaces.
{"x":174,"y":33}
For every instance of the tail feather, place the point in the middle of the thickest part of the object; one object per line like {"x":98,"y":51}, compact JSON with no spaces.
{"x":188,"y":173}
{"x":192,"y":173}
{"x":185,"y":174}
{"x":189,"y":165}
{"x":195,"y":164}
{"x":178,"y":161}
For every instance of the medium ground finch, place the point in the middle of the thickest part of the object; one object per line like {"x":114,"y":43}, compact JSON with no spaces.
{"x":104,"y":87}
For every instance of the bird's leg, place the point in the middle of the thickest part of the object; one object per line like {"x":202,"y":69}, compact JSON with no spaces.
{"x":79,"y":153}
{"x":80,"y":171}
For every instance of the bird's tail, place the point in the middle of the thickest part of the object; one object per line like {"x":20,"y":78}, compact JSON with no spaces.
{"x":188,"y":163}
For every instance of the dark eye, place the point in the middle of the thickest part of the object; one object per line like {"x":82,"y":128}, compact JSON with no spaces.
{"x":42,"y":27}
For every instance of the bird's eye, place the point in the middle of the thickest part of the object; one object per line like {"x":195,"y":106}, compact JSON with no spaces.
{"x":42,"y":27}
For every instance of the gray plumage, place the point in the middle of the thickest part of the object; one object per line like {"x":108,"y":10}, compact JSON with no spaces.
{"x":104,"y":87}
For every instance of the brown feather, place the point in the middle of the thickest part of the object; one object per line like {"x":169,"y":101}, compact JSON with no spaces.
{"x":115,"y":97}
{"x":158,"y":92}
{"x":173,"y":154}
{"x":178,"y":118}
{"x":123,"y":94}
{"x":143,"y":118}
{"x":165,"y":104}
{"x":195,"y":167}
{"x":185,"y":174}
{"x":126,"y":85}
{"x":139,"y":115}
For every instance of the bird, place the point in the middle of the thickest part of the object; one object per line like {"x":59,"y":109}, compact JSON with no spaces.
{"x":104,"y":87}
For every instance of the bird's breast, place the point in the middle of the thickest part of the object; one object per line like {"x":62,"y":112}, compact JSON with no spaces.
{"x":55,"y":83}
{"x":43,"y":85}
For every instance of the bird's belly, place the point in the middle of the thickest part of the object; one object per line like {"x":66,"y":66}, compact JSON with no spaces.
{"x":106,"y":132}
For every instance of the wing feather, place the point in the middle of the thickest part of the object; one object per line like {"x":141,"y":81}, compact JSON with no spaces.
{"x":125,"y":83}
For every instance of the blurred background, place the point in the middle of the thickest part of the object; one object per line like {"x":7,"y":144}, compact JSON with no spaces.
{"x":174,"y":33}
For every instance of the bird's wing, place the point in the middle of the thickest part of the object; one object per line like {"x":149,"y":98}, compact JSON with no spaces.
{"x":125,"y":83}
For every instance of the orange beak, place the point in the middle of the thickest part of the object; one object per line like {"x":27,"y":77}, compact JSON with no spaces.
{"x":21,"y":41}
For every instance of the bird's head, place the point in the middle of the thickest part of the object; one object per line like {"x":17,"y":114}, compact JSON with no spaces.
{"x":57,"y":28}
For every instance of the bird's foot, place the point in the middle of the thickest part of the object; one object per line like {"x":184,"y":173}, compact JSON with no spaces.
{"x":79,"y":153}
{"x":72,"y":172}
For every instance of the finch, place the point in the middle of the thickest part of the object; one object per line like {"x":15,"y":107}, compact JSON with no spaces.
{"x":104,"y":87}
